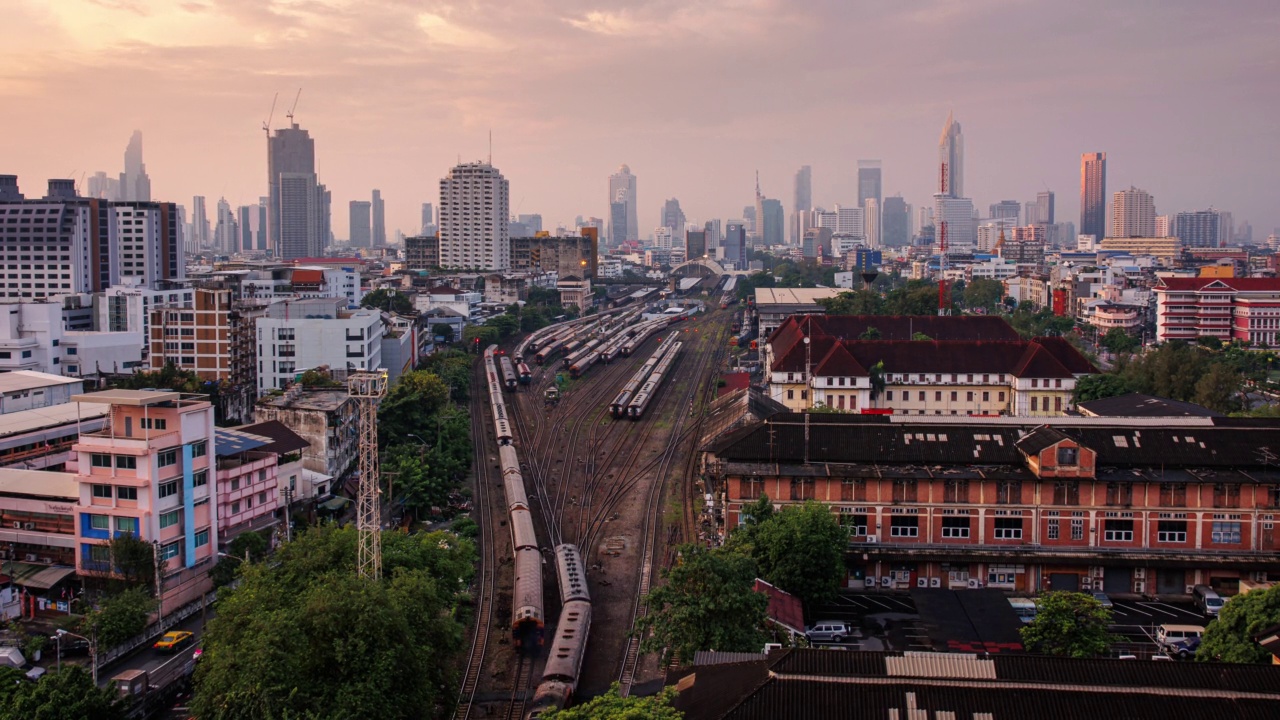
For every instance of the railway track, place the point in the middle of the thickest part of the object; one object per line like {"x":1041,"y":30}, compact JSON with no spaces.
{"x":520,"y":689}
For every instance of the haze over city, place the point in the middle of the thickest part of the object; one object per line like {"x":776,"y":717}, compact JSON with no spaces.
{"x":693,"y":96}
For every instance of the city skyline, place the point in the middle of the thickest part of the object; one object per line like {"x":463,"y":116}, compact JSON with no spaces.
{"x":217,"y":151}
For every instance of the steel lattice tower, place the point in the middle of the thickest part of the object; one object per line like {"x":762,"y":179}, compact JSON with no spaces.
{"x":368,"y":388}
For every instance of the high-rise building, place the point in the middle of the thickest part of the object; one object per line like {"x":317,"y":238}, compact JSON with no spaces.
{"x":662,"y":238}
{"x":713,"y":234}
{"x":252,"y":220}
{"x":378,"y":220}
{"x":618,"y":219}
{"x":1133,"y":214}
{"x":298,"y":214}
{"x":533,"y":221}
{"x":199,"y":223}
{"x":226,"y":235}
{"x":869,"y":182}
{"x":1044,"y":207}
{"x":103,"y":187}
{"x":803,"y":203}
{"x":672,"y":217}
{"x":872,"y":221}
{"x":695,"y":244}
{"x":951,"y":160}
{"x":1199,"y":229}
{"x":842,"y":220}
{"x":1005,"y":210}
{"x":735,"y":244}
{"x":957,"y":213}
{"x":749,"y":220}
{"x":474,"y":209}
{"x":1164,"y":225}
{"x":622,"y":186}
{"x":361,"y":226}
{"x":1093,"y":194}
{"x":895,"y":222}
{"x":773,"y":224}
{"x":428,"y":219}
{"x":135,"y":185}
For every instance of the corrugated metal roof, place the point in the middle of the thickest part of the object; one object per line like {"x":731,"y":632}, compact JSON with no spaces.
{"x":940,"y":665}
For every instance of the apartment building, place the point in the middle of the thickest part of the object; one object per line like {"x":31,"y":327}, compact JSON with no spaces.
{"x":256,"y":473}
{"x":326,"y":419}
{"x":149,"y":474}
{"x":296,"y":336}
{"x":33,"y":336}
{"x":1149,"y":506}
{"x":1245,"y":309}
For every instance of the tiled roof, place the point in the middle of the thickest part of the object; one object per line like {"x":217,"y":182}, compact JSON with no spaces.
{"x":303,"y":276}
{"x":1020,"y":358}
{"x":1238,"y":284}
{"x":1039,"y":439}
{"x":784,"y":608}
{"x":839,"y":363}
{"x":1139,"y":405}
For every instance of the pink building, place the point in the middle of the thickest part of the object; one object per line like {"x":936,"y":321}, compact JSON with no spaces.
{"x":248,"y":480}
{"x":148,"y":472}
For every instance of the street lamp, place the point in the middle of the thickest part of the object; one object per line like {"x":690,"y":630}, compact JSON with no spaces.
{"x":93,"y":652}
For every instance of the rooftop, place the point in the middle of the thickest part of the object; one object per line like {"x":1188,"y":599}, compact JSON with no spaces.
{"x":49,"y":417}
{"x":30,"y":379}
{"x":793,"y":296}
{"x":324,"y":399}
{"x":39,"y":483}
{"x":1139,"y":405}
{"x":136,"y":398}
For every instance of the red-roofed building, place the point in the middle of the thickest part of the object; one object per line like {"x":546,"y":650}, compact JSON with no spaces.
{"x":785,"y":609}
{"x":734,"y":381}
{"x":1246,"y":309}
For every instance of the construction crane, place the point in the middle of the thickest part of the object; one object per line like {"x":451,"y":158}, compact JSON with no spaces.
{"x":367,"y":389}
{"x":266,"y":124}
{"x":295,"y":106}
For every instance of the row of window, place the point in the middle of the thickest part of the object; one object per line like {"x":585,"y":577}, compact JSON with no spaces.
{"x":165,"y":489}
{"x":1168,"y":531}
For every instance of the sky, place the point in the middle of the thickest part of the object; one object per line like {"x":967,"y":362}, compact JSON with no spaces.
{"x":695,"y":96}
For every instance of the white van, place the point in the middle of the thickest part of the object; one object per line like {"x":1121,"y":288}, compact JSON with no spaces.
{"x":1167,"y":635}
{"x":1209,"y":602}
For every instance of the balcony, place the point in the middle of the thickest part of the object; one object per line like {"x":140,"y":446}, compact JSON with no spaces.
{"x":892,"y":548}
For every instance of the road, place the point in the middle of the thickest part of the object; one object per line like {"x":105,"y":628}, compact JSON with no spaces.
{"x":150,"y":660}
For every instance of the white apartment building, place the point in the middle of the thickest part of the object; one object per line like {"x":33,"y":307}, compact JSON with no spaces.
{"x":127,"y":308}
{"x":474,"y":234}
{"x":662,"y":238}
{"x":296,"y":336}
{"x":1133,"y":214}
{"x":32,"y":337}
{"x":842,"y":220}
{"x":957,"y":213}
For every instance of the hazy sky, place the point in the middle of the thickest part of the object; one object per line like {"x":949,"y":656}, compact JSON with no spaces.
{"x":694,"y":95}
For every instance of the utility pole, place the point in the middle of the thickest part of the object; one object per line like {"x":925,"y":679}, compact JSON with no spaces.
{"x":288,"y":514}
{"x":368,"y":388}
{"x":155,"y":550}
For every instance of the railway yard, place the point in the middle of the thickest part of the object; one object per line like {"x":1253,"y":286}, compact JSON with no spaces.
{"x":584,"y":434}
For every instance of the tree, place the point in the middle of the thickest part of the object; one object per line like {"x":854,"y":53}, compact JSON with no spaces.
{"x":800,"y":549}
{"x":708,"y":602}
{"x":505,"y":325}
{"x":983,"y":293}
{"x":487,"y":334}
{"x":855,"y":302}
{"x":443,"y":331}
{"x":134,"y":560}
{"x":317,"y":378}
{"x":1096,"y":387}
{"x":243,"y":549}
{"x":410,"y":406}
{"x":1219,"y":389}
{"x":387,"y":300}
{"x":68,"y":694}
{"x":612,"y":706}
{"x":1118,"y":340}
{"x":453,"y":366}
{"x":921,"y":336}
{"x":305,"y":637}
{"x":871,"y":333}
{"x":1230,"y":637}
{"x":120,"y":617}
{"x":1069,"y":624}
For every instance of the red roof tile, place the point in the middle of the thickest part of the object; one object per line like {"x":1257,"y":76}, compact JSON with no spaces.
{"x":784,"y":608}
{"x":308,"y":277}
{"x":839,"y":363}
{"x":1238,"y":284}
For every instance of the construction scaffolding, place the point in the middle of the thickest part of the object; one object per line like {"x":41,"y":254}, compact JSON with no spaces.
{"x":368,"y":388}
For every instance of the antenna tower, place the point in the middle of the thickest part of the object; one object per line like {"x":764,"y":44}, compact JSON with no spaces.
{"x":368,"y":388}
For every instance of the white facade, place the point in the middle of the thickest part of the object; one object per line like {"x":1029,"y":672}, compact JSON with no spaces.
{"x":298,"y":336}
{"x":662,"y":238}
{"x":127,"y":308}
{"x":140,"y":245}
{"x":1133,"y":214}
{"x":842,"y":220}
{"x":474,"y":234}
{"x":957,"y":213}
{"x":32,"y":338}
{"x":872,"y":222}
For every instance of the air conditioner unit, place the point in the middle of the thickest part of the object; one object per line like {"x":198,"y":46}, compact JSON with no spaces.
{"x":935,"y":582}
{"x":974,"y":583}
{"x":1139,"y":573}
{"x":869,"y":582}
{"x":873,"y":539}
{"x":1260,"y":576}
{"x":30,"y":557}
{"x":46,"y":561}
{"x":1086,"y":582}
{"x":17,"y":525}
{"x":1096,"y":572}
{"x":886,"y":581}
{"x":1190,"y":589}
{"x":922,"y":582}
{"x":1139,"y":586}
{"x":29,"y":526}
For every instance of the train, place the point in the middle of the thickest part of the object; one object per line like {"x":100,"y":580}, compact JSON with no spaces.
{"x":501,"y":423}
{"x":564,"y":662}
{"x":508,"y":372}
{"x":640,"y":402}
{"x":524,"y":374}
{"x":618,"y":408}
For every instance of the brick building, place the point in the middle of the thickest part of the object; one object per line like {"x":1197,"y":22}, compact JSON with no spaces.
{"x":1246,"y":309}
{"x":1125,"y":505}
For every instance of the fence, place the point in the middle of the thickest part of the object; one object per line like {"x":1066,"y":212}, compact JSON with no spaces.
{"x":155,"y":630}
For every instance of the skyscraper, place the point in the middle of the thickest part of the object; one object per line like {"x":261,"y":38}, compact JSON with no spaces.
{"x":803,"y":203}
{"x":672,"y":217}
{"x":474,"y":210}
{"x":1093,"y":194}
{"x":1199,"y":229}
{"x":1005,"y":210}
{"x":428,"y":219}
{"x":199,"y":223}
{"x":226,"y":233}
{"x":695,"y":244}
{"x":361,"y":225}
{"x":869,"y":182}
{"x":533,"y":221}
{"x":252,"y":220}
{"x":378,"y":220}
{"x":298,"y":215}
{"x":1044,"y":207}
{"x":772,"y":224}
{"x":104,"y":187}
{"x":618,"y":219}
{"x":625,"y":183}
{"x":735,"y":244}
{"x":872,"y":221}
{"x":135,"y":185}
{"x":957,"y":213}
{"x":951,"y":160}
{"x":895,"y":222}
{"x":1133,"y":214}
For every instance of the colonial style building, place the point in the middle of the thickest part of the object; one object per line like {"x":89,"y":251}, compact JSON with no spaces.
{"x":884,"y":365}
{"x":1149,"y":506}
{"x":1246,"y":309}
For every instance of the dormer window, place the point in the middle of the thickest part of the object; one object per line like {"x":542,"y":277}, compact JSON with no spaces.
{"x":1068,"y":456}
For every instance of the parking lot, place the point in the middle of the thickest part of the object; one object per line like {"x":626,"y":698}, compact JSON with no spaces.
{"x":1137,"y":620}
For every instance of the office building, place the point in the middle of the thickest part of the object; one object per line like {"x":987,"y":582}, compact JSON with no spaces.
{"x":304,"y":334}
{"x":842,"y":220}
{"x":622,"y":188}
{"x":1093,"y":194}
{"x":200,"y":235}
{"x":957,"y":213}
{"x":298,"y":212}
{"x":135,"y":184}
{"x":252,"y":220}
{"x":662,"y":239}
{"x":672,"y":217}
{"x":428,"y":219}
{"x":695,"y":244}
{"x":1044,"y":209}
{"x":871,"y":221}
{"x":226,"y":234}
{"x":869,"y":182}
{"x":735,"y":244}
{"x":103,"y":186}
{"x":951,"y":160}
{"x":819,"y":243}
{"x":618,"y":220}
{"x":1005,"y":210}
{"x":771,"y":230}
{"x":474,"y":201}
{"x":378,"y":220}
{"x":1164,"y":225}
{"x":803,"y":203}
{"x":422,"y":252}
{"x":1133,"y":214}
{"x":895,"y":222}
{"x":1199,"y":229}
{"x":361,"y":229}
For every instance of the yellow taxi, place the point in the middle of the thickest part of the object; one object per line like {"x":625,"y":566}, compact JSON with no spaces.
{"x":174,"y":640}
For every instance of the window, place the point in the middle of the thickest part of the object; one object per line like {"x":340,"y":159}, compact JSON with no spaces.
{"x":1000,"y":396}
{"x":955,"y":527}
{"x":904,"y":490}
{"x":100,"y":460}
{"x":853,"y":490}
{"x":1226,"y":533}
{"x":986,"y":397}
{"x":1035,"y":382}
{"x":126,"y":493}
{"x":154,"y":423}
{"x":1172,"y":531}
{"x":202,"y":538}
{"x":1008,"y":492}
{"x":169,"y":519}
{"x":168,"y":489}
{"x":800,"y":490}
{"x":888,"y":395}
{"x":235,"y":484}
{"x":921,"y":396}
{"x":937,"y":396}
{"x":102,"y":491}
{"x":1120,"y":493}
{"x":262,"y":476}
{"x":100,"y":553}
{"x":1226,"y":496}
{"x":262,"y":498}
{"x":1008,"y":528}
{"x":1035,"y":405}
{"x":969,"y":396}
{"x":199,"y":449}
{"x":168,"y":457}
{"x":1057,"y":403}
{"x":200,"y":478}
{"x":751,"y":488}
{"x":99,"y":522}
{"x":1173,"y":495}
{"x":856,"y":524}
{"x":956,"y":491}
{"x":235,"y":507}
{"x":1077,"y":529}
{"x":904,"y":527}
{"x":127,"y":525}
{"x":169,"y":551}
{"x":1066,"y":492}
{"x":791,"y":395}
{"x":954,"y":395}
{"x":1052,"y":530}
{"x":126,"y":462}
{"x":1068,"y":456}
{"x":1118,"y":530}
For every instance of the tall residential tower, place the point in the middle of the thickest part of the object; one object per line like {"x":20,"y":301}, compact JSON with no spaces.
{"x":298,"y":216}
{"x":1093,"y":194}
{"x":951,"y":160}
{"x":474,"y":202}
{"x":802,"y":205}
{"x":622,"y":188}
{"x":1133,"y":214}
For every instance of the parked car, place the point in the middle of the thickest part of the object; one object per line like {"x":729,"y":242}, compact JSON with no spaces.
{"x":1208,"y":600}
{"x":829,"y":631}
{"x":1167,"y":635}
{"x":174,"y":640}
{"x":1104,"y":600}
{"x":1184,"y":649}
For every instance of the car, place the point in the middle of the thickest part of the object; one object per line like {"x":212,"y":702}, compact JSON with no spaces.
{"x":1103,"y":600}
{"x":1184,"y":649}
{"x":829,"y":631}
{"x":174,"y":640}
